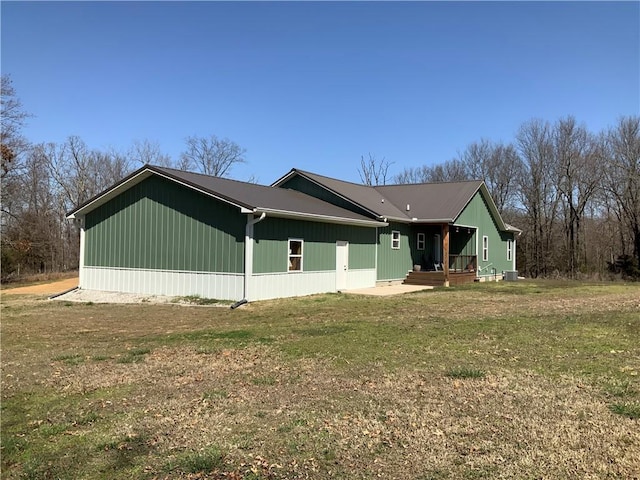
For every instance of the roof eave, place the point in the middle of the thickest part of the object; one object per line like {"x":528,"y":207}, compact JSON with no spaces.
{"x":137,"y":177}
{"x":319,"y":218}
{"x":432,"y":220}
{"x":293,"y":172}
{"x":511,"y":228}
{"x":484,"y":191}
{"x":113,"y":191}
{"x":284,"y":178}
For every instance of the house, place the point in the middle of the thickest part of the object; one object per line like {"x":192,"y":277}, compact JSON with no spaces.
{"x":167,"y":232}
{"x":452,"y":230}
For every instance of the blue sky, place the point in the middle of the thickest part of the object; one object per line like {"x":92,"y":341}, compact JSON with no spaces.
{"x":317,"y":85}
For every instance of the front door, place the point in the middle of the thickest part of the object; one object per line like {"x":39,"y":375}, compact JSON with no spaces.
{"x":342,"y":264}
{"x":437,"y":248}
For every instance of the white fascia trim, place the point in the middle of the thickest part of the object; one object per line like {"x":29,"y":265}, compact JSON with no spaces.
{"x":321,"y":218}
{"x":283,"y":178}
{"x":111,"y":193}
{"x":511,"y":228}
{"x":464,"y":226}
{"x":143,"y":175}
{"x":432,"y":220}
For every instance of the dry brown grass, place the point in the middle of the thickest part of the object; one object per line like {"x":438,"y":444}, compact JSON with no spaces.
{"x":327,"y":387}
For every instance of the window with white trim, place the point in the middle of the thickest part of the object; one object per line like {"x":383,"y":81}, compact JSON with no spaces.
{"x":420,"y":242}
{"x":395,"y":239}
{"x":485,"y":248}
{"x":295,"y":254}
{"x":509,"y":249}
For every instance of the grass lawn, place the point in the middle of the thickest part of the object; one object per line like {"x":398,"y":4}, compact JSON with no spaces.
{"x":511,"y":380}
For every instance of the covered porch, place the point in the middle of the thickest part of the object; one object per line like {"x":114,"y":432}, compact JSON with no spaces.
{"x":443,"y":255}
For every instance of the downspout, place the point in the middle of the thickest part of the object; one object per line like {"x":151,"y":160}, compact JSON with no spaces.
{"x":81,"y":274}
{"x":248,"y":255}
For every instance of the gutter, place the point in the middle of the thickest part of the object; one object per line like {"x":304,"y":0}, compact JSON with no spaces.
{"x":319,"y":217}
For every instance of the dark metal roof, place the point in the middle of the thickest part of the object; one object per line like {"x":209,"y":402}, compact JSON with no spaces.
{"x":428,"y":202}
{"x":361,"y":195}
{"x":437,"y":202}
{"x":247,"y":196}
{"x":254,"y":196}
{"x":431,"y":201}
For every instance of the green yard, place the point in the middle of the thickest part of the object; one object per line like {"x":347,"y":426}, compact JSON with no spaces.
{"x":510,"y":380}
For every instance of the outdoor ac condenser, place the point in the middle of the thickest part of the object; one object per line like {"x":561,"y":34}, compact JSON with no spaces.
{"x":511,"y":275}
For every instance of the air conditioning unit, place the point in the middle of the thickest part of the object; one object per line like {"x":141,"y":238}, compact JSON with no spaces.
{"x":511,"y":275}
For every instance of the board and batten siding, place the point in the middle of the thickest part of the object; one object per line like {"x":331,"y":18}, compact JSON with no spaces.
{"x":271,"y":278}
{"x":393,"y":264}
{"x":270,"y":251}
{"x":477,"y":213}
{"x":160,"y":233}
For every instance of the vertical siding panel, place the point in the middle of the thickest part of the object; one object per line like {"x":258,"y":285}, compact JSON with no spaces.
{"x":134,"y":240}
{"x":168,"y":232}
{"x":148,"y":234}
{"x":173,"y":220}
{"x":215,"y":251}
{"x":112,"y":234}
{"x":116,"y":222}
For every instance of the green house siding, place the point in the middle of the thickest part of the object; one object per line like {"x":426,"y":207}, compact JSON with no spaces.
{"x":157,"y":224}
{"x":477,"y":213}
{"x":304,"y":185}
{"x":393,"y":264}
{"x":270,"y":251}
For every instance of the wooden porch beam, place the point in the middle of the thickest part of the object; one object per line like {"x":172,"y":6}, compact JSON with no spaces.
{"x":445,"y":253}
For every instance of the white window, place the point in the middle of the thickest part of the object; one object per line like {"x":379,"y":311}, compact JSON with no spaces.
{"x":485,"y":248}
{"x":420,"y":242}
{"x":395,"y":239}
{"x":295,"y":255}
{"x":509,"y":249}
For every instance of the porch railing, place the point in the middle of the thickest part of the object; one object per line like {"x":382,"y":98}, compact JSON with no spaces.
{"x":463,"y":263}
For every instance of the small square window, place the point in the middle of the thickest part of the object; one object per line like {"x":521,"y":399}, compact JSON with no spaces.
{"x":395,"y":239}
{"x":420,"y":242}
{"x":295,"y":255}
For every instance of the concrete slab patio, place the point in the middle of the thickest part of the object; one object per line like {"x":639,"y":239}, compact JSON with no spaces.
{"x":387,"y":290}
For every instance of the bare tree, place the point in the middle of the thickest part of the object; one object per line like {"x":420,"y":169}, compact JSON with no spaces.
{"x":453,"y":170}
{"x":538,"y":195}
{"x":13,"y":119}
{"x":145,"y":152}
{"x":212,"y":155}
{"x":31,"y":227}
{"x":577,"y":173}
{"x":413,"y":175}
{"x":621,"y":181}
{"x":373,"y":171}
{"x":498,"y":165}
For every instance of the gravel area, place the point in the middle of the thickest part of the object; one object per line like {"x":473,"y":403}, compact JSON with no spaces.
{"x":99,"y":296}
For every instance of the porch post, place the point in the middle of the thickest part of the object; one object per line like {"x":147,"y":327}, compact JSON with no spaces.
{"x":445,"y":253}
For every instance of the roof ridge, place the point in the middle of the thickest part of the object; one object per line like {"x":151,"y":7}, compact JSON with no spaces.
{"x":208,"y":176}
{"x":333,"y":178}
{"x":428,"y":183}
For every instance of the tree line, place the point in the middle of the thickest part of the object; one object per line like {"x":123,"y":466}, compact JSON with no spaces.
{"x":42,"y":182}
{"x":575,"y":194}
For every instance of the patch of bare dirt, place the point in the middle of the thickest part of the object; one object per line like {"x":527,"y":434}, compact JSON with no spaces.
{"x":49,"y":288}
